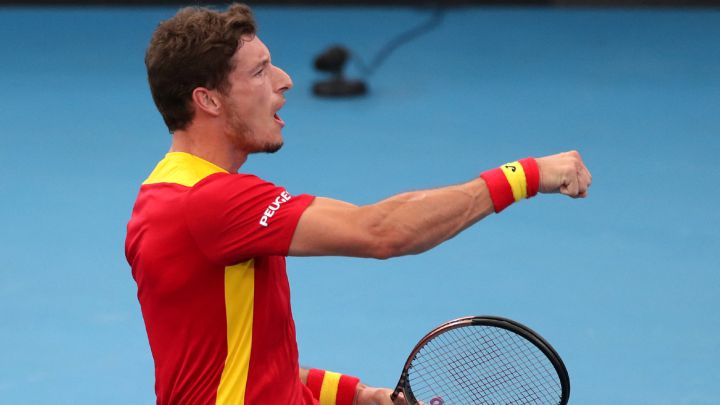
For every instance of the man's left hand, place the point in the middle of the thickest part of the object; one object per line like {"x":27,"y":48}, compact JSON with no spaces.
{"x":377,"y":396}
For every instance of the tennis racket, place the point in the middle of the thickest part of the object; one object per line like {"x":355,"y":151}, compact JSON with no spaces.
{"x":483,"y":360}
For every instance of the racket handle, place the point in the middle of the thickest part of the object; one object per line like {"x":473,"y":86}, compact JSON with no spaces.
{"x":395,"y":394}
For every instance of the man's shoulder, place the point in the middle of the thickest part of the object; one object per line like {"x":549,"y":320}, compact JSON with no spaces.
{"x":228,"y":183}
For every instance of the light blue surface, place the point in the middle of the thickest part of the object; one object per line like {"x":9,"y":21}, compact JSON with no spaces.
{"x":624,"y":284}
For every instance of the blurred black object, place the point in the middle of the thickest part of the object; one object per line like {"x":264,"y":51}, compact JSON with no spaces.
{"x":333,"y":61}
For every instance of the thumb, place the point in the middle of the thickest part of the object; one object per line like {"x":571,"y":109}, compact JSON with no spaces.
{"x":570,"y":186}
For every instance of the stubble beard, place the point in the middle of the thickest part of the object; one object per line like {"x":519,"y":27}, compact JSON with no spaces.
{"x":245,"y":138}
{"x":270,"y":147}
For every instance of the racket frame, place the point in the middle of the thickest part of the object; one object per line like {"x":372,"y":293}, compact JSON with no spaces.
{"x":533,"y":337}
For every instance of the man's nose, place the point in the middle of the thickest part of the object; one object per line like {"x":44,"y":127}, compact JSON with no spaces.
{"x":284,"y":81}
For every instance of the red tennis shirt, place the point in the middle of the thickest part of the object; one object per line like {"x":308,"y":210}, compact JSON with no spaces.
{"x":207,"y":250}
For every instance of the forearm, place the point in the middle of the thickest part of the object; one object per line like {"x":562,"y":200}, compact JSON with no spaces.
{"x":332,"y":388}
{"x":414,"y":222}
{"x":406,"y":223}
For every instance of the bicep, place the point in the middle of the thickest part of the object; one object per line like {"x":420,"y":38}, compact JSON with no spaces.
{"x":331,"y":227}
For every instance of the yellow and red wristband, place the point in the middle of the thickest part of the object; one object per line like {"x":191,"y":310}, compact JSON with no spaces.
{"x":512,"y":182}
{"x":332,"y":388}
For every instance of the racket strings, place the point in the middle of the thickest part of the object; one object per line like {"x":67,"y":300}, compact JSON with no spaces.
{"x":483,"y":365}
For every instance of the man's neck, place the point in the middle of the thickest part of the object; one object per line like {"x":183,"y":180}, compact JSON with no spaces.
{"x":210,"y":145}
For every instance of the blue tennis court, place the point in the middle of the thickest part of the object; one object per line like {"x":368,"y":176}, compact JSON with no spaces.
{"x":625,"y":284}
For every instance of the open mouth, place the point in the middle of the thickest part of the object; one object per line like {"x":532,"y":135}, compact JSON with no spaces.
{"x":277,"y":117}
{"x":279,"y":120}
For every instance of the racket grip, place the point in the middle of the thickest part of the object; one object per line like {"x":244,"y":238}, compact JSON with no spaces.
{"x":398,"y":387}
{"x":395,"y":394}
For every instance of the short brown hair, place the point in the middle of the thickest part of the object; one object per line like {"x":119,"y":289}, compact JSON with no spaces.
{"x":193,"y":49}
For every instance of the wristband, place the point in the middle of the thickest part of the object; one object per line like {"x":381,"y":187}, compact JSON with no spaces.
{"x":512,"y":182}
{"x":332,"y":388}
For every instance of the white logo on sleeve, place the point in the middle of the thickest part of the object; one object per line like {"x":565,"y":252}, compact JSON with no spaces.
{"x":273,"y":207}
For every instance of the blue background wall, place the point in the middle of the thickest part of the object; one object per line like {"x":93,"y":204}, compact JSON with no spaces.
{"x":624,"y":284}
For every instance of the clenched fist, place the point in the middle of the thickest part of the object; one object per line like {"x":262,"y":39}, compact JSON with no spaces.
{"x":564,"y":173}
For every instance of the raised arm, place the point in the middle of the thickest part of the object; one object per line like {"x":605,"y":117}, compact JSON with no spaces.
{"x":413,"y":222}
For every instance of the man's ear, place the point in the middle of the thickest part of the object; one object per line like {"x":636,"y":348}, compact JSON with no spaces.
{"x":207,"y":101}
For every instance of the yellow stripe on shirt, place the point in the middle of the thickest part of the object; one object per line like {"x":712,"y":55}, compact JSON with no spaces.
{"x":182,"y":168}
{"x":239,"y":299}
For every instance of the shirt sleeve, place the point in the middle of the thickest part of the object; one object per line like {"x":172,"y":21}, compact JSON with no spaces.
{"x":235,"y":217}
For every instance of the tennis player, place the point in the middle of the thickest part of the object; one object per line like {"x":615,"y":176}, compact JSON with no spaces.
{"x":207,"y":245}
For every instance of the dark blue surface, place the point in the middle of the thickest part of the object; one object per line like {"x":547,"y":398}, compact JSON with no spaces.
{"x":625,"y":284}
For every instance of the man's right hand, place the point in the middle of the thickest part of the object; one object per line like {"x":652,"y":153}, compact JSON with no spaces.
{"x":564,"y":173}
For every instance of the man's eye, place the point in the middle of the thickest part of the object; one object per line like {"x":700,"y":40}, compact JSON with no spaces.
{"x":259,"y":72}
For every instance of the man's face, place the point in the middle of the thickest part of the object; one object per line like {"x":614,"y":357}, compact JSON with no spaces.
{"x":255,"y":95}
